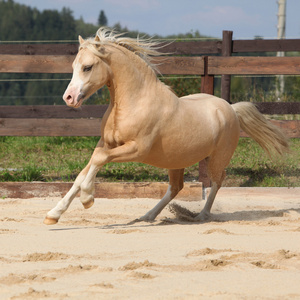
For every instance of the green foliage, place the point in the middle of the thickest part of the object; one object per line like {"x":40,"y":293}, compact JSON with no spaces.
{"x":263,"y":89}
{"x":102,"y":19}
{"x":250,"y":166}
{"x":21,"y":22}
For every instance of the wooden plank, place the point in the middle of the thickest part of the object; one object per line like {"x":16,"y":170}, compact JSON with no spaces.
{"x":50,"y":127}
{"x":172,"y":47}
{"x":253,"y":65}
{"x":39,"y":49}
{"x":36,"y":63}
{"x":192,"y":191}
{"x":291,"y":128}
{"x":191,"y":47}
{"x":52,"y":111}
{"x":63,"y":64}
{"x":266,"y":45}
{"x":180,"y":65}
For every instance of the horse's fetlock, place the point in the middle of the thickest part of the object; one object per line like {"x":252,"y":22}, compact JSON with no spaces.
{"x":86,"y":187}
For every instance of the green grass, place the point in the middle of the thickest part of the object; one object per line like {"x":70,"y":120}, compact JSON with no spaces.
{"x":62,"y":158}
{"x":250,"y":166}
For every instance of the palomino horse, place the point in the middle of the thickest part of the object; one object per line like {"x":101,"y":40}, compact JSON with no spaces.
{"x":146,"y":122}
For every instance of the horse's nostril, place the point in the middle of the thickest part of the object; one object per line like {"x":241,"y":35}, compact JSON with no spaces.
{"x":69,"y":97}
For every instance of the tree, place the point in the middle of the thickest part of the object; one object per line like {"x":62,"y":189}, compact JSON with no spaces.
{"x":102,"y":20}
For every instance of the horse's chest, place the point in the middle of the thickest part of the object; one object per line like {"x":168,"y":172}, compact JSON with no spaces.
{"x":112,"y":136}
{"x":112,"y":139}
{"x":119,"y":128}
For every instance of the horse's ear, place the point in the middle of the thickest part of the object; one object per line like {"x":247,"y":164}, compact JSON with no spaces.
{"x":97,"y":39}
{"x":81,"y":40}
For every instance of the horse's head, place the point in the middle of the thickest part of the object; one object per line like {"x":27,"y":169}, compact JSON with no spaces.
{"x":90,"y":73}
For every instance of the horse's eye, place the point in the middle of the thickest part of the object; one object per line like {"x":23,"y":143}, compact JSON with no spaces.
{"x":87,"y":68}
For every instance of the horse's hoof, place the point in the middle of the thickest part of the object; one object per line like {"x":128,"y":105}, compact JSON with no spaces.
{"x":50,"y":221}
{"x":88,"y":204}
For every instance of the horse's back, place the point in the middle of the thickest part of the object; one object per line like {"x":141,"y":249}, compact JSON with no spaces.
{"x":215,"y":115}
{"x":208,"y":106}
{"x":197,"y":97}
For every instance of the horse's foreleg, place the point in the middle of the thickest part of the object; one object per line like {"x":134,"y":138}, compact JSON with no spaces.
{"x":54,"y":214}
{"x":86,"y":179}
{"x":175,"y":185}
{"x":124,"y":153}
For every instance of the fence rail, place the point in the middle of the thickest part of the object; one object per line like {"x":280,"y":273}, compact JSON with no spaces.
{"x":237,"y":65}
{"x":63,"y":64}
{"x":175,"y":48}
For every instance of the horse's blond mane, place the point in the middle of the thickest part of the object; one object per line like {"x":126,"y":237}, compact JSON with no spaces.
{"x":145,"y":48}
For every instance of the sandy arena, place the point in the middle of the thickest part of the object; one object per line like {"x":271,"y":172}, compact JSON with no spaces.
{"x":250,"y":249}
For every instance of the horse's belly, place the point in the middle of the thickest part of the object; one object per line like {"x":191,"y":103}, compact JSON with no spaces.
{"x":166,"y":163}
{"x":177,"y":156}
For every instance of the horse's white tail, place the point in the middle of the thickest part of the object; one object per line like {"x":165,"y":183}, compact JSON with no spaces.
{"x":267,"y":135}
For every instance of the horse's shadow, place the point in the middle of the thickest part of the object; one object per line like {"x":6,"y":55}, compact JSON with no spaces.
{"x":238,"y":216}
{"x":184,"y":214}
{"x":252,"y":215}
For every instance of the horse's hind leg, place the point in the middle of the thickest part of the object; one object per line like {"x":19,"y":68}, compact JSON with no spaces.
{"x":175,"y":185}
{"x":216,"y":172}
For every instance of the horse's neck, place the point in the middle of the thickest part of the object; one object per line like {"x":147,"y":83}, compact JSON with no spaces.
{"x":132,"y":78}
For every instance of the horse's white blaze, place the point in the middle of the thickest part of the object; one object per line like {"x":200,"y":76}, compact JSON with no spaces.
{"x":74,"y":89}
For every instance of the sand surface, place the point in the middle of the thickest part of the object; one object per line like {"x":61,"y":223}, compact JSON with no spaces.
{"x":249,"y":250}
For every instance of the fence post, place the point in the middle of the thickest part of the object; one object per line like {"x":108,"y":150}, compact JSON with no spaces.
{"x":207,"y":86}
{"x":226,"y":51}
{"x":207,"y":81}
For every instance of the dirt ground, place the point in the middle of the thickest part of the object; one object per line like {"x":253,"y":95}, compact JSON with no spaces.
{"x":249,"y":250}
